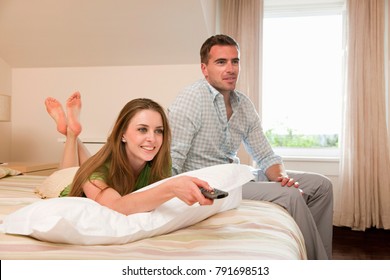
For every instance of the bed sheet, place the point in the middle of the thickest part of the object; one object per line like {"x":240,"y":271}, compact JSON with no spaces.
{"x":254,"y":230}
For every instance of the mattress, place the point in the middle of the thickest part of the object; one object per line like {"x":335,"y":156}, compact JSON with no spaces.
{"x":255,"y":230}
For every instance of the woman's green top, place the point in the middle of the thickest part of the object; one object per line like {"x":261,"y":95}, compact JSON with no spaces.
{"x":102,"y":174}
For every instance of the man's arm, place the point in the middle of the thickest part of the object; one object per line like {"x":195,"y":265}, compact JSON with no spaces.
{"x":256,"y":142}
{"x":183,"y":118}
{"x":261,"y":151}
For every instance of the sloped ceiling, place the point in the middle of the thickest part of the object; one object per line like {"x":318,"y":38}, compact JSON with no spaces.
{"x":78,"y":33}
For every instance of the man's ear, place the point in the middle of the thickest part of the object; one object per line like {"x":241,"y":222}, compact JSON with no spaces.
{"x":203,"y":67}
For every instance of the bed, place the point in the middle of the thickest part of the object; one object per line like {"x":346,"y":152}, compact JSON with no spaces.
{"x":254,"y":230}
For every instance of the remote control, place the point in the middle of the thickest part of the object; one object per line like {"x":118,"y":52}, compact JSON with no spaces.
{"x":214,"y":194}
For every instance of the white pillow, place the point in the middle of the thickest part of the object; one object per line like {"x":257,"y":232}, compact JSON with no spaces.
{"x":77,"y":220}
{"x":56,"y":182}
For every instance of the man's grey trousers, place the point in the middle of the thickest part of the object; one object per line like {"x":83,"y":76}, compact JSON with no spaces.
{"x":312,"y":210}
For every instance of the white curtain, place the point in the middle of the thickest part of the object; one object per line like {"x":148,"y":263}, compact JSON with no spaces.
{"x":243,"y":20}
{"x":364,"y":200}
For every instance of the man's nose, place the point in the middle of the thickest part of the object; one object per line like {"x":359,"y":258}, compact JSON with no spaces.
{"x":230,"y":67}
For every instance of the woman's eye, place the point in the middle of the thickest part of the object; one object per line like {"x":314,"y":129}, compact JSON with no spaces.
{"x":159,"y":131}
{"x":142,"y":129}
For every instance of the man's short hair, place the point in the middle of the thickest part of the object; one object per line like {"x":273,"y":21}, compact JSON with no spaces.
{"x":221,"y":40}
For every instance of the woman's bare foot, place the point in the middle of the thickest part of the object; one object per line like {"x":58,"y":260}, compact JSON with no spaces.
{"x":73,"y":107}
{"x":54,"y":108}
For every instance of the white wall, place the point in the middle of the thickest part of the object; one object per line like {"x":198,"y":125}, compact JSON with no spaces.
{"x":5,"y":127}
{"x":105,"y":90}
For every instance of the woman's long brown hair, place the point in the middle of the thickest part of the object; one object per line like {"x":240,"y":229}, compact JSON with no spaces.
{"x":121,"y":176}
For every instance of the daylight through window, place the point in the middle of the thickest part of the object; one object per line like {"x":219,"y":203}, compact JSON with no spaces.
{"x":302,"y":81}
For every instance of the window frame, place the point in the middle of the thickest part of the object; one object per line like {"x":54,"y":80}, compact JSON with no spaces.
{"x":294,"y":8}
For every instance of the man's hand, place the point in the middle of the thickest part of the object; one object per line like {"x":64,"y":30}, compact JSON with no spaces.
{"x":277,"y":173}
{"x":286,"y":181}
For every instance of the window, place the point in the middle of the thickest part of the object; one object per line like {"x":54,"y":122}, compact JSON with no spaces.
{"x":302,"y":82}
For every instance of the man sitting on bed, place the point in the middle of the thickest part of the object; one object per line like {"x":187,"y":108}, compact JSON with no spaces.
{"x":210,"y":119}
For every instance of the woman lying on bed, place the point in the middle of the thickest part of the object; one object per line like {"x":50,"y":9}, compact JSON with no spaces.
{"x":136,"y":154}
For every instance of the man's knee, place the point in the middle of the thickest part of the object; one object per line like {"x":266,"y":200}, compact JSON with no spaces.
{"x":314,"y":184}
{"x":292,"y":198}
{"x":324,"y":184}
